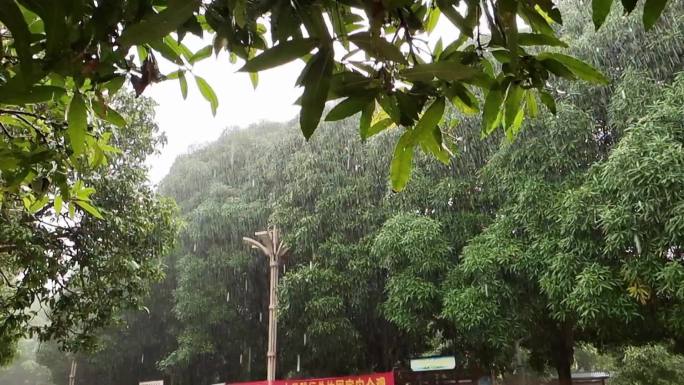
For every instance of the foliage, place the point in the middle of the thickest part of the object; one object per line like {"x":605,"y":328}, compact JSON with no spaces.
{"x":61,"y":64}
{"x":79,"y":271}
{"x":25,"y":370}
{"x":650,"y":364}
{"x":512,"y":250}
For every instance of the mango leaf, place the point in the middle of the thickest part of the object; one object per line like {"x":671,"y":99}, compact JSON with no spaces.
{"x":366,"y":119}
{"x":526,"y":39}
{"x":32,"y":95}
{"x":558,"y":69}
{"x":629,"y":5}
{"x":159,"y":24}
{"x":316,"y":84}
{"x":652,"y":11}
{"x":427,"y":127}
{"x":114,"y":85}
{"x":166,"y":51}
{"x":88,"y":208}
{"x":402,"y":161}
{"x":433,"y":18}
{"x":535,"y":20}
{"x":445,"y":70}
{"x":108,"y":114}
{"x":599,"y":11}
{"x":201,"y":54}
{"x":379,"y":126}
{"x":581,"y":69}
{"x":280,"y":54}
{"x":390,"y":105}
{"x":208,"y":93}
{"x":464,"y":24}
{"x":77,"y":120}
{"x":491,"y":109}
{"x":548,"y":101}
{"x":377,"y":47}
{"x":462,"y":98}
{"x":12,"y":18}
{"x":512,"y":104}
{"x":347,"y":107}
{"x":58,"y":204}
{"x":254,"y":79}
{"x":183,"y":84}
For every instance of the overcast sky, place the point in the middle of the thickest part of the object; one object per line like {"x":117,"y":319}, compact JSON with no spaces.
{"x":188,"y":122}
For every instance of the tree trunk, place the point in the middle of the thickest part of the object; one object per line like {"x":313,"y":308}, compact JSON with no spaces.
{"x":564,"y":355}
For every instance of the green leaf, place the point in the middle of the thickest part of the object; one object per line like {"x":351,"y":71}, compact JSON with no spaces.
{"x":207,"y":92}
{"x":445,"y":70}
{"x":464,"y":24}
{"x":280,"y":54}
{"x":58,"y":204}
{"x":254,"y":78}
{"x":491,"y":109}
{"x":558,"y":69}
{"x":581,"y":69}
{"x":526,"y":39}
{"x":377,"y":47}
{"x":347,"y":107}
{"x":390,"y":105}
{"x":89,"y":208}
{"x":629,"y":5}
{"x":183,"y":84}
{"x":316,"y":84}
{"x":427,"y":127}
{"x":108,"y":114}
{"x":433,"y":18}
{"x":599,"y":11}
{"x":114,"y":85}
{"x":462,"y":98}
{"x":159,"y":24}
{"x":12,"y":18}
{"x":366,"y":119}
{"x":513,"y":104}
{"x":652,"y":11}
{"x":402,"y":161}
{"x":548,"y":101}
{"x":32,"y":95}
{"x":535,"y":20}
{"x":167,"y":51}
{"x":201,"y":54}
{"x":379,"y":126}
{"x":77,"y":119}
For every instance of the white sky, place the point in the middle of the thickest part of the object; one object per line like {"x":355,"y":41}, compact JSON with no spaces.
{"x":188,"y":122}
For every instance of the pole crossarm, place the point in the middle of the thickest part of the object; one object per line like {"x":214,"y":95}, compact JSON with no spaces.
{"x":269,"y":243}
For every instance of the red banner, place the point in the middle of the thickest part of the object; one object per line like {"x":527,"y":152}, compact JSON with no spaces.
{"x":386,"y":378}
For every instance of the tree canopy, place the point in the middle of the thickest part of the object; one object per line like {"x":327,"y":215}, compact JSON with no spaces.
{"x":61,"y":63}
{"x":72,"y":271}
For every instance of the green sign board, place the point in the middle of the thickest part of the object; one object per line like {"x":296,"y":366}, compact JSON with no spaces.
{"x":427,"y":364}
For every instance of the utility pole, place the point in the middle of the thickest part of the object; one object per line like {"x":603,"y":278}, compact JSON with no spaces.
{"x":72,"y":373}
{"x":274,"y":249}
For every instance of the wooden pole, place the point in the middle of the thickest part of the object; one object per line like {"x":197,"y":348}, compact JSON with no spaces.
{"x":273,"y":249}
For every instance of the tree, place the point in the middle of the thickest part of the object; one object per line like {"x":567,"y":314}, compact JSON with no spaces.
{"x":71,"y":58}
{"x":77,"y":270}
{"x":582,"y":248}
{"x":650,"y":364}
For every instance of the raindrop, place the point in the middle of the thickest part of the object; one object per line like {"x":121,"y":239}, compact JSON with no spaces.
{"x":228,"y":297}
{"x":304,"y":339}
{"x":298,"y":363}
